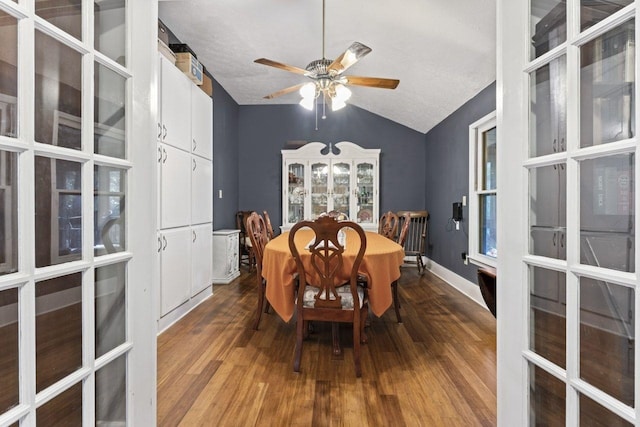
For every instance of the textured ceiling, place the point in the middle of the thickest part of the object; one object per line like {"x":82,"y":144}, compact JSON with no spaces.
{"x":443,"y":52}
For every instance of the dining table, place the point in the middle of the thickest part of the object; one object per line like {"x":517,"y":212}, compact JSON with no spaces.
{"x":380,"y":265}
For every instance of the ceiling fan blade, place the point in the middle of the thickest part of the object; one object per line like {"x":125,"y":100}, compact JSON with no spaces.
{"x":284,"y":91}
{"x":372,"y":82}
{"x":349,"y":57}
{"x":291,"y":68}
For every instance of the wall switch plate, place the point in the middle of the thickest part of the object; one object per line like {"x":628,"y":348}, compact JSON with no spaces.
{"x":219,"y":194}
{"x":464,"y":200}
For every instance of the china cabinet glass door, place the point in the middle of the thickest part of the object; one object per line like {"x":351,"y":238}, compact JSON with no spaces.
{"x":341,"y":191}
{"x":296,"y":192}
{"x":319,"y":189}
{"x":364,"y":190}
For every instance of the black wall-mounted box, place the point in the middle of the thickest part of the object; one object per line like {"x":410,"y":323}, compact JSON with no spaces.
{"x":457,"y":211}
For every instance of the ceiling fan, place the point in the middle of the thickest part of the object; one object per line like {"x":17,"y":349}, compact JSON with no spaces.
{"x":327,"y":78}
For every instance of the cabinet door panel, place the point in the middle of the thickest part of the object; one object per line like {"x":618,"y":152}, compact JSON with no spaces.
{"x":175,"y":268}
{"x":201,"y":255}
{"x":201,"y":123}
{"x":201,"y":190}
{"x":175,"y":106}
{"x":174,"y":187}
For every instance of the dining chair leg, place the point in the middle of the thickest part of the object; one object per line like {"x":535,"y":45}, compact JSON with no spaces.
{"x":260,"y":305}
{"x":364,"y":321}
{"x":300,"y":331}
{"x":396,"y":300}
{"x":356,"y":350}
{"x":335,"y":334}
{"x":420,"y":264}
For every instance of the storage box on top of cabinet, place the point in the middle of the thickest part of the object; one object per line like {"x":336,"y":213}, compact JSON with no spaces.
{"x":190,"y":66}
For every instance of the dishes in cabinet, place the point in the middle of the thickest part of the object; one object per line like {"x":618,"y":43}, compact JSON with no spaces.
{"x":365,"y":215}
{"x":296,"y":195}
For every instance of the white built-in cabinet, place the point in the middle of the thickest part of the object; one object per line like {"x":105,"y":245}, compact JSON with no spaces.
{"x":185,"y":200}
{"x":318,"y":178}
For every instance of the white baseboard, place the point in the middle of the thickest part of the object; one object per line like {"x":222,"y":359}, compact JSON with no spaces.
{"x":468,"y":288}
{"x":172,"y":317}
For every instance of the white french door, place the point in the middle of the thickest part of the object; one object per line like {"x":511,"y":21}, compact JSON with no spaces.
{"x":568,"y":280}
{"x":76,"y":246}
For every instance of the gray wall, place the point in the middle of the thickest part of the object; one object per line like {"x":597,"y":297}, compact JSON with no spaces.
{"x":447,"y":180}
{"x":225,"y":158}
{"x":265,"y":130}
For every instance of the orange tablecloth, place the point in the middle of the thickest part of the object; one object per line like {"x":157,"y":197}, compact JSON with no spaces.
{"x":381,"y":265}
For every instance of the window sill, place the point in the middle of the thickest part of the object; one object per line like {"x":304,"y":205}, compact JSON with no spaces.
{"x":483,"y":261}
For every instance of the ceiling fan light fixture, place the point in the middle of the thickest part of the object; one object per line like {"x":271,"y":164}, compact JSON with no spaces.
{"x":307,"y":103}
{"x":342,"y":92}
{"x":337,"y":104}
{"x":308,"y":90}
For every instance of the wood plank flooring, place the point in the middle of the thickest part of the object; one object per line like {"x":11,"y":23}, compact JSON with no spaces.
{"x":438,"y":368}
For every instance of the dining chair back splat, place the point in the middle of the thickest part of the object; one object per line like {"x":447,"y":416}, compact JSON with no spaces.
{"x":406,"y":221}
{"x":327,"y":297}
{"x":388,"y":225}
{"x":245,"y":253}
{"x":267,"y":222}
{"x":415,"y":240}
{"x":257,"y":231}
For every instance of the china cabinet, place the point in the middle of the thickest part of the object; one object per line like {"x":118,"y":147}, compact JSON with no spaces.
{"x":319,"y":178}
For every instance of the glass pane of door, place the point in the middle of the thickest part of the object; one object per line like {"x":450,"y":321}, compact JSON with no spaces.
{"x":547,"y":317}
{"x":364,"y":190}
{"x":594,"y":11}
{"x":607,"y":214}
{"x":547,"y":211}
{"x":547,"y":398}
{"x":592,"y":414}
{"x":109,"y":113}
{"x":607,"y":313}
{"x":548,"y":25}
{"x":9,"y":73}
{"x":58,"y":328}
{"x":66,"y":15}
{"x":8,"y":212}
{"x":110,"y":28}
{"x":50,"y":413}
{"x":548,"y":108}
{"x":9,"y":344}
{"x":607,"y":87}
{"x":109,"y":210}
{"x":111,"y":396}
{"x":110,"y":307}
{"x":295,"y":192}
{"x":319,"y":189}
{"x":57,"y":112}
{"x":341,"y":190}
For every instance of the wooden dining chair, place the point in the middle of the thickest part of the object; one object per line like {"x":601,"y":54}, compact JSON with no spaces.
{"x":415,"y":240}
{"x":388,"y":225}
{"x":406,"y":221}
{"x":267,"y":222}
{"x":322,"y":299}
{"x":257,"y":232}
{"x":245,"y":253}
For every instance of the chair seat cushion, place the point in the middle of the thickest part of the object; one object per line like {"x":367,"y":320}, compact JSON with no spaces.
{"x":246,"y":242}
{"x":344,"y":292}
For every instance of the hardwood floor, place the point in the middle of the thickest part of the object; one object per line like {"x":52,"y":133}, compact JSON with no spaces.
{"x":438,"y":368}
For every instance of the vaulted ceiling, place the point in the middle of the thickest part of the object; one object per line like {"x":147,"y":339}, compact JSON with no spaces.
{"x":443,"y":52}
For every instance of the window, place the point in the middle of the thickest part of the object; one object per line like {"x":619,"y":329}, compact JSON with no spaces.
{"x":483,"y":191}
